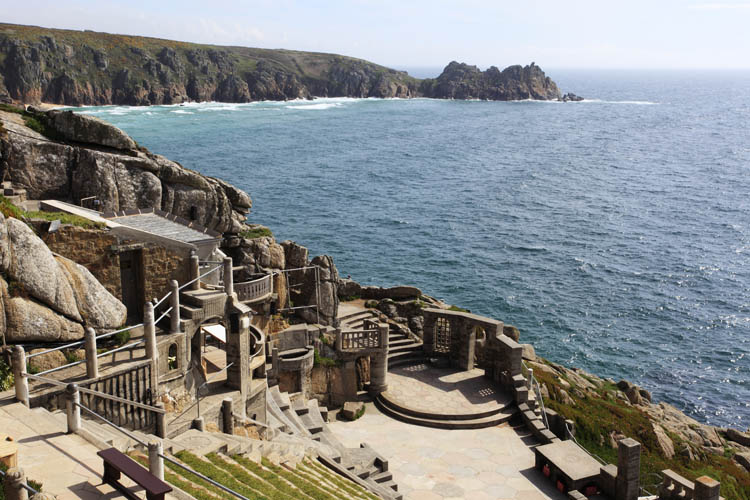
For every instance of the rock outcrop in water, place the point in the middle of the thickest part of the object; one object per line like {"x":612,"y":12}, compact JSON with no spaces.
{"x":462,"y":81}
{"x":88,"y":68}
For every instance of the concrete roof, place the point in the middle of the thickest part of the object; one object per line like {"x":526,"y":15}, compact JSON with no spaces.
{"x":165,"y":227}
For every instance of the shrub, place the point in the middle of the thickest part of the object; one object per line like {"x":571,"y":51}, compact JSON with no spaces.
{"x":371,"y":304}
{"x":323,"y":360}
{"x":6,"y":376}
{"x":122,"y":338}
{"x":256,"y":232}
{"x":458,"y":309}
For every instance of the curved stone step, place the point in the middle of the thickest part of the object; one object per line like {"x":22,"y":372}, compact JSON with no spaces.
{"x":477,"y":423}
{"x":396,"y":405}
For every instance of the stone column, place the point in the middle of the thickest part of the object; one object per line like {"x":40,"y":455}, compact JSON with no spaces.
{"x":155,"y":461}
{"x":238,"y":348}
{"x":628,"y":469}
{"x":338,"y":342}
{"x":706,"y":488}
{"x":73,"y":410}
{"x":174,"y":302}
{"x":379,"y":363}
{"x":161,"y":421}
{"x":227,"y":416}
{"x":194,"y":272}
{"x":228,"y":276}
{"x":92,"y":362}
{"x":149,"y":333}
{"x":13,"y":484}
{"x":19,"y":369}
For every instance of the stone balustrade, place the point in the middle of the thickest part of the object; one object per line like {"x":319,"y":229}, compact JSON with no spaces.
{"x":255,"y":289}
{"x":676,"y":487}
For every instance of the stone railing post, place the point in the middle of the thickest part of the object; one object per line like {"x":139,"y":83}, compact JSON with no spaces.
{"x":155,"y":461}
{"x":195,"y":272}
{"x":338,"y":344}
{"x":628,"y":469}
{"x":227,"y":416}
{"x":73,"y":410}
{"x":161,"y":421}
{"x":228,"y":276}
{"x":174,"y":302}
{"x":706,"y":488}
{"x":149,"y":332}
{"x":92,"y":362}
{"x":13,"y":484}
{"x":19,"y":370}
{"x":44,"y":496}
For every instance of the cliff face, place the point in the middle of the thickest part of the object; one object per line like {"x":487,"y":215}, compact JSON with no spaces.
{"x":81,"y":156}
{"x":77,"y":68}
{"x":462,"y":81}
{"x":88,"y":68}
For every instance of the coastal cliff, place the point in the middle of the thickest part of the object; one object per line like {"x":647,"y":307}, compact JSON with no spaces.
{"x":88,"y":68}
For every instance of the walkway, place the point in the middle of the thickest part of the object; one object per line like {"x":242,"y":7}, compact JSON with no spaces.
{"x":436,"y":464}
{"x":65,"y":464}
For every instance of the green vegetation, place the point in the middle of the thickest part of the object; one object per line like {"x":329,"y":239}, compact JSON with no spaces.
{"x":323,"y":360}
{"x":458,"y":309}
{"x":122,"y":338}
{"x":9,"y":108}
{"x":351,"y":488}
{"x":256,"y":232}
{"x":371,"y":304}
{"x":349,"y":298}
{"x":6,"y":376}
{"x":71,"y":356}
{"x":31,"y":120}
{"x":8,"y":209}
{"x":598,"y":415}
{"x":360,"y":412}
{"x":270,"y":485}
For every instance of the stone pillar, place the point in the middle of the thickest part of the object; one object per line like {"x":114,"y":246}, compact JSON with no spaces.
{"x":238,"y":348}
{"x":228,"y":276}
{"x":227,"y":416}
{"x":428,"y":333}
{"x":379,"y":363}
{"x":338,"y":342}
{"x":73,"y":399}
{"x":199,"y":424}
{"x":161,"y":421}
{"x":628,"y":469}
{"x":706,"y":488}
{"x":194,"y":272}
{"x":155,"y":461}
{"x":174,"y":302}
{"x":19,"y":369}
{"x":13,"y":484}
{"x":149,"y":333}
{"x":92,"y":362}
{"x":468,"y":338}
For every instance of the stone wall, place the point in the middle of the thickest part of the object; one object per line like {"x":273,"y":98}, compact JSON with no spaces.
{"x":90,"y":248}
{"x":95,"y":249}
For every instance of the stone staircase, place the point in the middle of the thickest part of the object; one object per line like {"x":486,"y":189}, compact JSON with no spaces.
{"x":293,"y":415}
{"x":356,"y":320}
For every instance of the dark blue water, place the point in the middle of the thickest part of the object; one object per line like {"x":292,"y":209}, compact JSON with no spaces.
{"x":614,"y":233}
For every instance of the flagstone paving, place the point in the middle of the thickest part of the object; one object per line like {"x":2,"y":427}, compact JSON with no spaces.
{"x":436,"y":464}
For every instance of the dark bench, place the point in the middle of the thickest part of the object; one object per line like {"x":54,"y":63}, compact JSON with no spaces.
{"x":116,"y":463}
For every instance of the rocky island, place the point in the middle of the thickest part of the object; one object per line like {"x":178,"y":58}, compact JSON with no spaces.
{"x":78,"y":68}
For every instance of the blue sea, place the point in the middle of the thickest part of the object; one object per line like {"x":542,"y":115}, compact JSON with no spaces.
{"x":614,"y":233}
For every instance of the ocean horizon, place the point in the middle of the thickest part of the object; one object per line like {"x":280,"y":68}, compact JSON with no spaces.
{"x":613,"y":232}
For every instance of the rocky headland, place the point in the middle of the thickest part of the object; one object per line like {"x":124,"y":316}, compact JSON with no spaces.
{"x":88,"y":68}
{"x":66,"y":156}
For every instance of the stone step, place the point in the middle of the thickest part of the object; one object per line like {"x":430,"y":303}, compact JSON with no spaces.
{"x":190,"y":312}
{"x":436,"y":421}
{"x":405,"y":358}
{"x":399,"y":342}
{"x":382,"y":477}
{"x":311,"y":425}
{"x":359,"y":314}
{"x":300,"y":406}
{"x":410,"y":347}
{"x":315,"y":414}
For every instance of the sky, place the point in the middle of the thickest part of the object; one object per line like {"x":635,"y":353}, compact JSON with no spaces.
{"x":654,"y":34}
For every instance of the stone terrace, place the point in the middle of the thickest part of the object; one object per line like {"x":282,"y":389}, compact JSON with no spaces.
{"x":436,"y":464}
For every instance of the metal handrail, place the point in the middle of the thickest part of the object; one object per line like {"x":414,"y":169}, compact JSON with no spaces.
{"x":163,"y":315}
{"x":62,"y":367}
{"x":201,"y":276}
{"x":92,"y":412}
{"x":158,"y":303}
{"x":205,"y":478}
{"x":571,"y":436}
{"x":81,"y":342}
{"x":121,"y":348}
{"x":25,"y":485}
{"x":103,"y":395}
{"x":538,"y":392}
{"x":198,"y":396}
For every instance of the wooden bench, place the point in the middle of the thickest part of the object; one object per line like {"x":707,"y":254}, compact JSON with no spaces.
{"x":116,"y":463}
